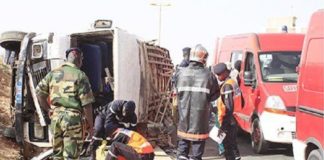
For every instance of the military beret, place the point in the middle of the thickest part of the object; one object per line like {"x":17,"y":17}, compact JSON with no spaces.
{"x":72,"y":49}
{"x":219,"y":68}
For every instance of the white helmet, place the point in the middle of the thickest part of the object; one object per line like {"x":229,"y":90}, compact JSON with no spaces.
{"x":199,"y":54}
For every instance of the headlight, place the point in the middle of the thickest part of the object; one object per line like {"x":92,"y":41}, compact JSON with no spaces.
{"x":275,"y":104}
{"x":37,"y":50}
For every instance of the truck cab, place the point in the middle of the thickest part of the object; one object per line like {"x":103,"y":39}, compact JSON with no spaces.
{"x":309,"y":141}
{"x":120,"y":65}
{"x":268,"y":83}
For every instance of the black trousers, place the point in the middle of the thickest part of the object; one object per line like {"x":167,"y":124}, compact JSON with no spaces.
{"x":230,"y":144}
{"x":197,"y":148}
{"x":98,"y":133}
{"x":121,"y":149}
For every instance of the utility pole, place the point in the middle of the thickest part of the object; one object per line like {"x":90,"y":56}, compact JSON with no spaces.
{"x":160,"y":5}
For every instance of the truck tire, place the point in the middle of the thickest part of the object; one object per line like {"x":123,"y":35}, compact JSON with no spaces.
{"x":11,"y":39}
{"x":259,"y":144}
{"x":315,"y":155}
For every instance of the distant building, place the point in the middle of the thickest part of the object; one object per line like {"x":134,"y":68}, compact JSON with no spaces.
{"x":276,"y":24}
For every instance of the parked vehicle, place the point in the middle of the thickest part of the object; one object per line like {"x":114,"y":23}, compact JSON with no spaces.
{"x":268,"y":83}
{"x":119,"y":65}
{"x":309,"y":142}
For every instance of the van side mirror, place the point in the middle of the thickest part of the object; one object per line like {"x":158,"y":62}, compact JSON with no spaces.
{"x":248,"y":78}
{"x":297,"y":69}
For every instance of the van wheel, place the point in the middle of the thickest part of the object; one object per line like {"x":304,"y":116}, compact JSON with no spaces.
{"x":259,"y":144}
{"x":315,"y":155}
{"x":11,"y":39}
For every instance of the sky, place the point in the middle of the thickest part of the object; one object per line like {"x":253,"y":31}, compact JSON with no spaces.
{"x":184,"y":23}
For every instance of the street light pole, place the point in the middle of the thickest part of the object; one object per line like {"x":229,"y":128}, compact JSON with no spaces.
{"x":160,"y":5}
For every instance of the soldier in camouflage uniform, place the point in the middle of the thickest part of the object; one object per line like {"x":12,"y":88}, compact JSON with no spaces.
{"x":70,"y":94}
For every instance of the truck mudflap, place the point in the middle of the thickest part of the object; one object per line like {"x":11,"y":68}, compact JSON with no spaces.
{"x":20,"y":80}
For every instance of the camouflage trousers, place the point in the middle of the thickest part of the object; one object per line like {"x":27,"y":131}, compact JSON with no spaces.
{"x":66,"y":128}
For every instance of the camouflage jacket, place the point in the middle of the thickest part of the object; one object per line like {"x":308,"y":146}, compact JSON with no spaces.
{"x":67,"y":86}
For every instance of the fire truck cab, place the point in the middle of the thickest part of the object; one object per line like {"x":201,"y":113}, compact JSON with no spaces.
{"x":268,"y":83}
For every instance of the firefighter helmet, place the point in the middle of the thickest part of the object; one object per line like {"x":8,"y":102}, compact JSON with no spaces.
{"x":199,"y":54}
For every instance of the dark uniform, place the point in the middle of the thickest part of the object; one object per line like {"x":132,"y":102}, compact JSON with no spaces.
{"x":196,"y":87}
{"x":185,"y":61}
{"x":68,"y":89}
{"x":116,"y":114}
{"x":229,"y":101}
{"x":129,"y":145}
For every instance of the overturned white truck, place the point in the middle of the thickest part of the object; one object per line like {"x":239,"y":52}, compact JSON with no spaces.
{"x":119,"y":66}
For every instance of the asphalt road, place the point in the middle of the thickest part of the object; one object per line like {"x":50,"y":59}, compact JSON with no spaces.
{"x":244,"y":144}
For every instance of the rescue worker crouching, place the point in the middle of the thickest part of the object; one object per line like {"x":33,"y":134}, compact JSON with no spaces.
{"x":229,"y":101}
{"x":129,"y":145}
{"x":116,"y":114}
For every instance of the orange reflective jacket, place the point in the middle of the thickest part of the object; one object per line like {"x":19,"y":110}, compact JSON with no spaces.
{"x":236,"y":93}
{"x":136,"y":141}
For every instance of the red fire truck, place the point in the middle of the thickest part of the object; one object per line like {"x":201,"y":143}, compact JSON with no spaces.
{"x":268,"y":83}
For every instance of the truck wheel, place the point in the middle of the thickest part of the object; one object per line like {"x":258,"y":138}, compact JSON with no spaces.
{"x":315,"y":155}
{"x":259,"y":144}
{"x":11,"y":39}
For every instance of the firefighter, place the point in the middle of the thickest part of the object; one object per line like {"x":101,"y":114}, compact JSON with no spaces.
{"x":129,"y":145}
{"x":70,"y":94}
{"x":229,"y":101}
{"x":116,"y":114}
{"x":196,"y":87}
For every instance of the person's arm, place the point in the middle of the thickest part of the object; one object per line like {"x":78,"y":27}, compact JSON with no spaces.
{"x":133,"y":122}
{"x":86,"y":98}
{"x":87,"y":110}
{"x":42,"y":99}
{"x":215,"y":90}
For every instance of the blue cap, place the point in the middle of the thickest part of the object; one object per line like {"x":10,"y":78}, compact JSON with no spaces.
{"x":219,"y":68}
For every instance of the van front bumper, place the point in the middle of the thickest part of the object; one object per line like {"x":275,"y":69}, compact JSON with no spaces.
{"x":278,"y":128}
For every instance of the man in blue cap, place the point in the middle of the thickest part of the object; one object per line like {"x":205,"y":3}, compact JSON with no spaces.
{"x":229,"y":100}
{"x":185,"y":61}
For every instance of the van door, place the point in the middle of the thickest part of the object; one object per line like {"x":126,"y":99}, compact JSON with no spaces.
{"x":248,"y":87}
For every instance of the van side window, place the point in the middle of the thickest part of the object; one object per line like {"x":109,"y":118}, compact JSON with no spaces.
{"x":249,"y":64}
{"x":249,"y":70}
{"x":236,"y":55}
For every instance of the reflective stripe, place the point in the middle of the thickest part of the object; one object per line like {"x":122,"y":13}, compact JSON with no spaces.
{"x":183,"y":158}
{"x":96,"y":138}
{"x":112,"y":110}
{"x":109,"y":152}
{"x":194,"y":89}
{"x":146,"y":144}
{"x":133,"y":124}
{"x":227,"y":92}
{"x":126,"y":125}
{"x":192,"y":136}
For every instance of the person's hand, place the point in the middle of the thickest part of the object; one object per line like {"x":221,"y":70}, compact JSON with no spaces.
{"x":220,"y":132}
{"x":89,"y":129}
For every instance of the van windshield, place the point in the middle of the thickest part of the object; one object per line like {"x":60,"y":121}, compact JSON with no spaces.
{"x":279,"y":66}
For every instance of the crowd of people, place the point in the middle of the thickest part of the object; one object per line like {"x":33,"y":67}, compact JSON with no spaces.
{"x":65,"y":94}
